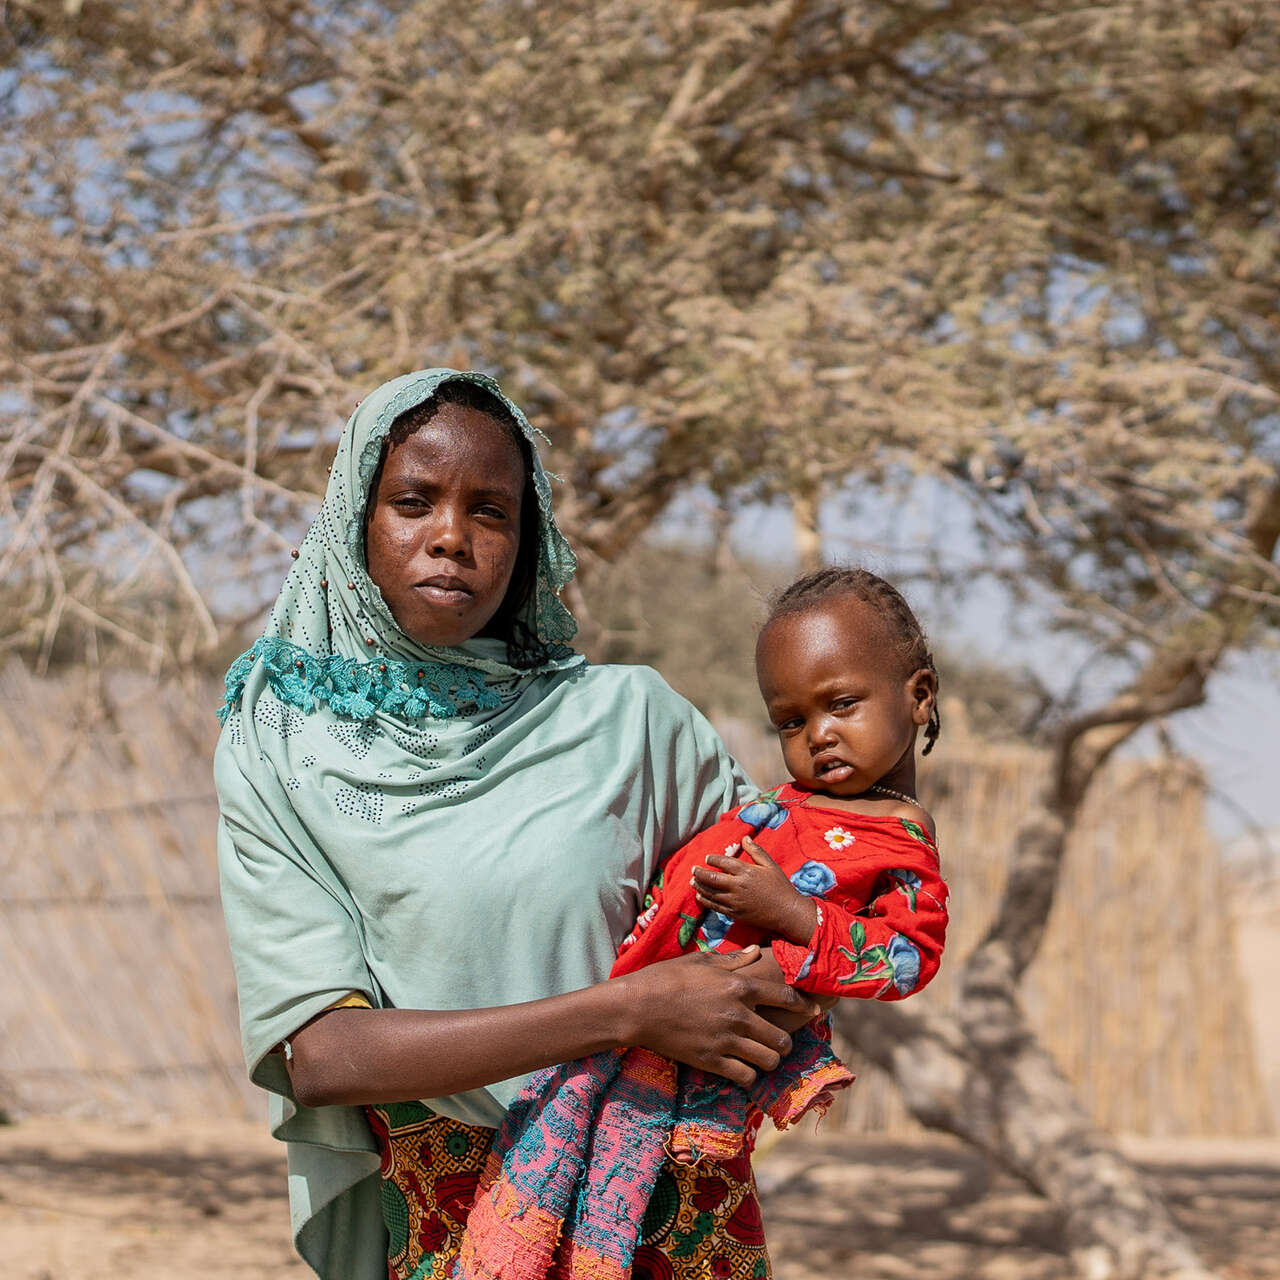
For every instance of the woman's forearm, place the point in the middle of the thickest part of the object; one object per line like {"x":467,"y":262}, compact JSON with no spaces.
{"x":697,"y":1009}
{"x":395,"y":1055}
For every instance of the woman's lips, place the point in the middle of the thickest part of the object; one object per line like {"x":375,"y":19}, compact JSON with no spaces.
{"x":444,"y":591}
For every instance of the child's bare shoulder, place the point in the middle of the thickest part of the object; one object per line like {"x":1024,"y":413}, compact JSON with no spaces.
{"x":917,"y":814}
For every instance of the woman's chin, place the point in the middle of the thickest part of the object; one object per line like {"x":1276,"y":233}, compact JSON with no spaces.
{"x":443,"y":627}
{"x":448,"y":627}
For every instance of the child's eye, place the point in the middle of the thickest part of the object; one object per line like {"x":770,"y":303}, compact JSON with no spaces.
{"x":790,"y":726}
{"x":843,"y":704}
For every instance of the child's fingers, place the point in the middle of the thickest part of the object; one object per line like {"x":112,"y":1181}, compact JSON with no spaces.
{"x":710,"y":881}
{"x":712,"y":903}
{"x":756,"y":853}
{"x":709,"y":885}
{"x":731,"y":865}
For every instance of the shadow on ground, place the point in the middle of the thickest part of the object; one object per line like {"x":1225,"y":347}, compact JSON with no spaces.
{"x":929,"y":1209}
{"x":209,"y":1183}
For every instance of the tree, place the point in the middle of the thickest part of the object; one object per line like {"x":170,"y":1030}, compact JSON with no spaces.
{"x":1025,"y":248}
{"x":982,"y":1074}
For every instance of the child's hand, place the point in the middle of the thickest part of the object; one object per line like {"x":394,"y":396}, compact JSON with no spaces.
{"x":757,"y":893}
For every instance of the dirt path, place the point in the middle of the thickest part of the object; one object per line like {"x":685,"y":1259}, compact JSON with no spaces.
{"x":207,"y":1200}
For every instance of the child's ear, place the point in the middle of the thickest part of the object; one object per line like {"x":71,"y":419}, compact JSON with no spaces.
{"x":922,"y":689}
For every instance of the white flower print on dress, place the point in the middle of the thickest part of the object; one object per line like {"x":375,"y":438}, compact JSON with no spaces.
{"x":645,"y":920}
{"x":838,"y":837}
{"x":732,"y":850}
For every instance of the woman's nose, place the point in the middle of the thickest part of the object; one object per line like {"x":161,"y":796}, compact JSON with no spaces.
{"x":448,"y":535}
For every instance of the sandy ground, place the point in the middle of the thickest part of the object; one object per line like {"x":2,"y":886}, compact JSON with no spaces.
{"x":207,"y":1200}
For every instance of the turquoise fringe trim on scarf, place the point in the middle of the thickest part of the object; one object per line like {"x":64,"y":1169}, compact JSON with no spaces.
{"x":359,"y":689}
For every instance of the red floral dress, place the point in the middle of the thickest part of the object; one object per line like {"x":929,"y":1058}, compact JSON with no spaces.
{"x":882,"y":902}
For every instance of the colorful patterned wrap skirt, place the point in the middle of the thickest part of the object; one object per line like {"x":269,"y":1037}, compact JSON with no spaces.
{"x":703,"y":1221}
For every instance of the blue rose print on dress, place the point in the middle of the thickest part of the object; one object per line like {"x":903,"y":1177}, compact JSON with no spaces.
{"x":714,"y":927}
{"x":908,"y":884}
{"x":763,"y":813}
{"x":813,"y":879}
{"x":905,"y":960}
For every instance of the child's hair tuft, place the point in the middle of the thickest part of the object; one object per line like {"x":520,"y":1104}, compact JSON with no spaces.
{"x":841,"y":580}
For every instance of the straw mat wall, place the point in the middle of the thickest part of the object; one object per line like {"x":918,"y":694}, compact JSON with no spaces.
{"x":118,"y":998}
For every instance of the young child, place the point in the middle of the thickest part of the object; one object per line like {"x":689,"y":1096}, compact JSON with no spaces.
{"x":836,"y":871}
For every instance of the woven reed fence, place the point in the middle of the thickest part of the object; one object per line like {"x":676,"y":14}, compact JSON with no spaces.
{"x":118,"y":1000}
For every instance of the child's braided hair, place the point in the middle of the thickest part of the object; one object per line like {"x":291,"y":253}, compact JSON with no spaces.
{"x":839,"y":580}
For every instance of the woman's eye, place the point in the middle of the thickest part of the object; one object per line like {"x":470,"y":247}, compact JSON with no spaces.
{"x":492,"y":512}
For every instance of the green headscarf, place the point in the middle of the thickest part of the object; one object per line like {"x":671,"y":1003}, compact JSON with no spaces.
{"x":433,"y":828}
{"x":331,"y":637}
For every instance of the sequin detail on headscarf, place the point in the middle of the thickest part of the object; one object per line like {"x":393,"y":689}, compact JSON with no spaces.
{"x":358,"y":689}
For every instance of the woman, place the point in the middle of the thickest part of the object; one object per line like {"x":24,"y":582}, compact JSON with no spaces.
{"x":437,"y":824}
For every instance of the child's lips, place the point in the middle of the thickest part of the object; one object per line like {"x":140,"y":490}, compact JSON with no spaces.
{"x":833,"y":770}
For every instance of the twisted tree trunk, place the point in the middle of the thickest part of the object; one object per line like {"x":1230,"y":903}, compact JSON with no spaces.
{"x":982,"y":1074}
{"x":1013,"y":1103}
{"x":806,"y":503}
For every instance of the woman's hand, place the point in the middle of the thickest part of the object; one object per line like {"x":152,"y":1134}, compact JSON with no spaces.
{"x":768,"y":967}
{"x":702,"y":1010}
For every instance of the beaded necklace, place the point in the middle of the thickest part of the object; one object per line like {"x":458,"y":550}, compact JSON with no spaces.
{"x":895,"y":795}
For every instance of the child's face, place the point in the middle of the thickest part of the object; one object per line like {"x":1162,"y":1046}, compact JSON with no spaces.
{"x":846,"y":712}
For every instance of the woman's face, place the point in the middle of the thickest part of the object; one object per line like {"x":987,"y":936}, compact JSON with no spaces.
{"x":442,"y":537}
